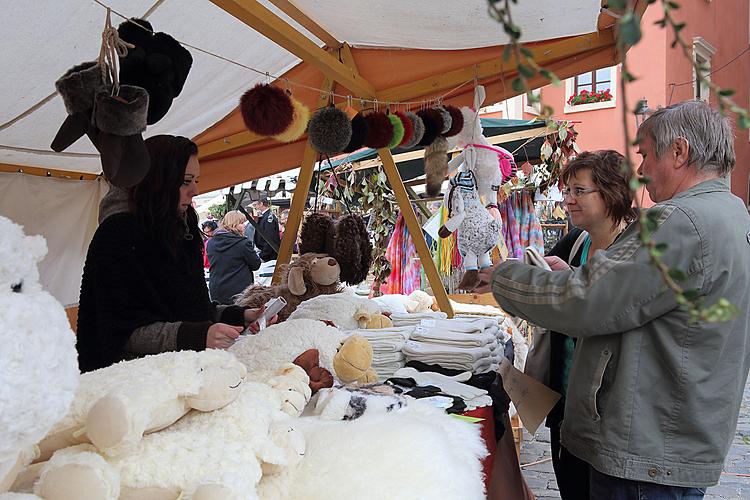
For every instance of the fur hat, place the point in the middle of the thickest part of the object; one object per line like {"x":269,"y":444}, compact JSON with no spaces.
{"x":398,"y":131}
{"x":433,"y":125}
{"x":408,"y":127}
{"x":77,"y":87}
{"x":457,"y":121}
{"x":329,"y":130}
{"x":447,"y":120}
{"x":266,"y":110}
{"x":158,"y":63}
{"x":379,"y":130}
{"x":121,"y":120}
{"x":418,"y":127}
{"x":359,"y":133}
{"x":300,"y":118}
{"x":345,"y":239}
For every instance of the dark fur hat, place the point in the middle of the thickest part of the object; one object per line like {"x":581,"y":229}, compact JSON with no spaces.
{"x":359,"y":134}
{"x":329,"y":130}
{"x":418,"y":126}
{"x":266,"y":110}
{"x":77,"y":87}
{"x":433,"y":125}
{"x":379,"y":131}
{"x":312,"y":237}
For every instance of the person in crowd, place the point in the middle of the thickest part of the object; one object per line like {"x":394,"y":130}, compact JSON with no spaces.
{"x":599,"y":200}
{"x":143,"y":290}
{"x":233,"y":258}
{"x":208,"y":227}
{"x":268,"y":224}
{"x":654,"y":393}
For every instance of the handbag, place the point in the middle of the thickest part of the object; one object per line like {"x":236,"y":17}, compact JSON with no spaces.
{"x":538,"y":359}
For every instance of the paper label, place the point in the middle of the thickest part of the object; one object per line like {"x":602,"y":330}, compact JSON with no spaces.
{"x":532,"y":399}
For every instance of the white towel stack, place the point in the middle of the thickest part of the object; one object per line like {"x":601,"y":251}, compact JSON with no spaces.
{"x":413,"y":319}
{"x":387,"y":344}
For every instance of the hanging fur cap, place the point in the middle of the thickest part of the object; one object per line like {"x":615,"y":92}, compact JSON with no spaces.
{"x":266,"y":110}
{"x":120,"y":120}
{"x":350,"y":245}
{"x":418,"y":126}
{"x":359,"y":134}
{"x":300,"y":118}
{"x":457,"y":121}
{"x":433,"y":125}
{"x":447,"y":120}
{"x":329,"y":130}
{"x":408,"y":127}
{"x":77,"y":87}
{"x":379,"y":130}
{"x":398,"y":131}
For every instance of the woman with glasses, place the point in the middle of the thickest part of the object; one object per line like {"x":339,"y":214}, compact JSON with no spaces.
{"x":598,"y":198}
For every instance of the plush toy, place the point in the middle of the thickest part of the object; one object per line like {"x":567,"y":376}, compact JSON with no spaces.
{"x":39,"y":373}
{"x":347,"y":312}
{"x":348,"y":358}
{"x":344,"y":239}
{"x":215,"y":455}
{"x":416,"y":302}
{"x":307,"y":276}
{"x":478,"y":232}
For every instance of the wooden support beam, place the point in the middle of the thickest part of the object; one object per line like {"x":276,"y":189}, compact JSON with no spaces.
{"x":299,"y":198}
{"x":48,"y":172}
{"x":265,"y":22}
{"x":415,"y":229}
{"x":292,"y":11}
{"x":234,"y":141}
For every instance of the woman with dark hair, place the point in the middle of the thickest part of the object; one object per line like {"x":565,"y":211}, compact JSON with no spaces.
{"x":598,"y":198}
{"x":143,"y":290}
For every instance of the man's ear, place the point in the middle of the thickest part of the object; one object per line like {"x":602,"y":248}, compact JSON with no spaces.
{"x":680,"y":152}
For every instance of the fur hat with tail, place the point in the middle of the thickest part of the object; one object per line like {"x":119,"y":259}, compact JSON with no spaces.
{"x":436,"y":165}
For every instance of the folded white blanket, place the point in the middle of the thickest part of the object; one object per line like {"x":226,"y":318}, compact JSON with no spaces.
{"x":383,"y":358}
{"x":401,"y":319}
{"x":439,"y":336}
{"x":415,"y":349}
{"x":395,"y":332}
{"x":462,"y":325}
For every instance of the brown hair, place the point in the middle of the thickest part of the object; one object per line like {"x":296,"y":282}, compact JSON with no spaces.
{"x":611,"y":177}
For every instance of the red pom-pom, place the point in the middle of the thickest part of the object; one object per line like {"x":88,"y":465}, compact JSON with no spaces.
{"x":408,"y":127}
{"x":266,"y":110}
{"x":379,"y":130}
{"x":458,"y":121}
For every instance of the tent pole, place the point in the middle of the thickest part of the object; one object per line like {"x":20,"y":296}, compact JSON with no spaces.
{"x":299,"y":198}
{"x":415,"y":230}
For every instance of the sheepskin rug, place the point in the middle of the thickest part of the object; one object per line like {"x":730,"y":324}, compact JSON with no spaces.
{"x":417,"y":452}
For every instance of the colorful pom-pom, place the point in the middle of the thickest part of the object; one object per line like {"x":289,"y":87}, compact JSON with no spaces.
{"x":408,"y":128}
{"x":418,"y":126}
{"x":398,"y":131}
{"x":359,"y":134}
{"x":266,"y":110}
{"x":298,"y":126}
{"x":433,"y":125}
{"x":379,"y":130}
{"x":329,"y":130}
{"x":457,"y":121}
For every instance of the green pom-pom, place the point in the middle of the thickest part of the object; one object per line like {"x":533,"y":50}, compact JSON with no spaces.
{"x":398,"y":131}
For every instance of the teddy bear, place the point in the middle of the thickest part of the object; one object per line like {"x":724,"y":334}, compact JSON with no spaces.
{"x":346,"y":311}
{"x":349,"y":358}
{"x":209,"y":455}
{"x":345,"y":239}
{"x":38,"y":347}
{"x":309,"y":275}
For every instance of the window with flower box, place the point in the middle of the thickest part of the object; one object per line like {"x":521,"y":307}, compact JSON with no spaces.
{"x":592,"y":90}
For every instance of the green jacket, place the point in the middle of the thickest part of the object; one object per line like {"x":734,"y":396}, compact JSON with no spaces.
{"x":651,"y":396}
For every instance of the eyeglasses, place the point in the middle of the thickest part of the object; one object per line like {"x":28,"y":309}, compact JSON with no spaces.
{"x":576,"y":192}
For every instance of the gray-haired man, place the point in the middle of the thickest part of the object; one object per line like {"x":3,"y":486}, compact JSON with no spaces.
{"x":653,"y":399}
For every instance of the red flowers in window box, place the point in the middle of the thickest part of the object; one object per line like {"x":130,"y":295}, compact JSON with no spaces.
{"x":586,"y":97}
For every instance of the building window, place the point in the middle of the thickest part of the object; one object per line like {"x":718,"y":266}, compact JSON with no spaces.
{"x":534,"y":108}
{"x":702,"y":53}
{"x":593,"y":90}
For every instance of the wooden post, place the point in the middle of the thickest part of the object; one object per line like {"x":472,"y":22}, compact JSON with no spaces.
{"x":415,"y":229}
{"x":306,"y":171}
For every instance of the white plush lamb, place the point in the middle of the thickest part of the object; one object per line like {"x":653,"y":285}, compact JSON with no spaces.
{"x":416,"y":302}
{"x":347,"y":312}
{"x":38,"y":361}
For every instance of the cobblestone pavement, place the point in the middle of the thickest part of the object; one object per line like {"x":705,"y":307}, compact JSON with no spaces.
{"x":733,"y":485}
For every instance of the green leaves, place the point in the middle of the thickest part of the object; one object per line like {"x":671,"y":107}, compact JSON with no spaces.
{"x":677,"y":274}
{"x":630,"y":29}
{"x":550,"y":76}
{"x":518,"y":85}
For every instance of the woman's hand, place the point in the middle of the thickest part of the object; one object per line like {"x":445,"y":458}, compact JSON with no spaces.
{"x":251,"y":315}
{"x":556,"y":263}
{"x":485,"y":280}
{"x":222,"y":336}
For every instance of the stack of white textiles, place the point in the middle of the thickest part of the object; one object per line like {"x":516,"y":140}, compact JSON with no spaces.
{"x":387,"y":344}
{"x":460,"y":344}
{"x":413,"y":319}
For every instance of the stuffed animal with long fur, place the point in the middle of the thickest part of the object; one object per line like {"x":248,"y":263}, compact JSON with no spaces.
{"x":308,"y":276}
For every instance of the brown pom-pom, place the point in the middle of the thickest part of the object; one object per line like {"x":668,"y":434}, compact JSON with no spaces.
{"x":314,"y":233}
{"x":458,"y":121}
{"x":266,"y":110}
{"x":379,"y":130}
{"x":359,"y":133}
{"x":433,"y":125}
{"x":408,"y":128}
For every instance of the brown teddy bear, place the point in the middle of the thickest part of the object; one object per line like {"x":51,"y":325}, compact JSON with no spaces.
{"x":308,"y":276}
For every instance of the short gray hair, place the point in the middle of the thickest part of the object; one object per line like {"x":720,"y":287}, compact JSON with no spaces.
{"x":708,"y":133}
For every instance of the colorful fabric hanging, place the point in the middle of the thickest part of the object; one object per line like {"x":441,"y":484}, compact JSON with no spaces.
{"x":405,"y":267}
